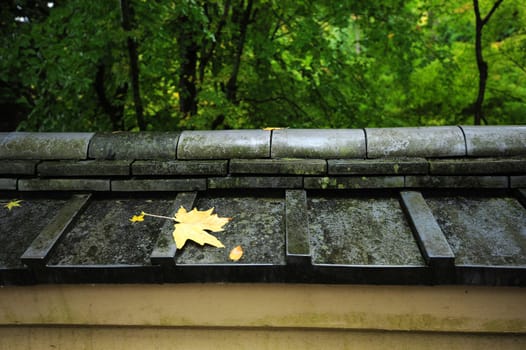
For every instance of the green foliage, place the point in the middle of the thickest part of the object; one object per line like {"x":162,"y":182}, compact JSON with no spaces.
{"x":252,"y":64}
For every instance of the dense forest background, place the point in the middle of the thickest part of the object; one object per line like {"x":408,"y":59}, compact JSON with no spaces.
{"x":192,"y":64}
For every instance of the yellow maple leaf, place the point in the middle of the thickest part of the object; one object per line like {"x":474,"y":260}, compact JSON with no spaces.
{"x":14,"y":203}
{"x":194,"y":224}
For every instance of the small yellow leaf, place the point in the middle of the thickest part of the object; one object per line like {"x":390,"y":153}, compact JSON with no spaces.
{"x":14,"y":203}
{"x":137,"y":218}
{"x":236,"y":253}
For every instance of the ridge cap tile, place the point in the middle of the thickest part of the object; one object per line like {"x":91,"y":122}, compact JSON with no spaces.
{"x":45,"y":145}
{"x":423,"y":141}
{"x":224,"y":144}
{"x":134,"y":145}
{"x":318,"y":143}
{"x":493,"y":140}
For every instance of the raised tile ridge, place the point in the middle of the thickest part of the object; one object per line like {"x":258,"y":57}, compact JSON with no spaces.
{"x":408,"y":157}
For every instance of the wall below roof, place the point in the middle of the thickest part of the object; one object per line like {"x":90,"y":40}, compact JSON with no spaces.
{"x":143,"y":338}
{"x":261,"y":316}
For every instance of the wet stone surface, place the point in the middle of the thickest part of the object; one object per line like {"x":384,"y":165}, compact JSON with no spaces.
{"x":356,"y":231}
{"x":20,"y":226}
{"x":257,"y":225}
{"x":483,"y":231}
{"x":104,"y":235}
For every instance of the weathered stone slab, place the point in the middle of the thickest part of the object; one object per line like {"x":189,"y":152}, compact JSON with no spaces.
{"x":180,"y":167}
{"x":481,"y":230}
{"x":279,"y":166}
{"x":38,"y":253}
{"x":482,"y":141}
{"x":518,"y":181}
{"x":129,"y":145}
{"x":442,"y":141}
{"x":477,"y":166}
{"x":432,"y":242}
{"x":7,"y":183}
{"x":63,"y":185}
{"x":318,"y":143}
{"x":387,"y":166}
{"x":353,"y":182}
{"x":138,"y":185}
{"x":165,"y":249}
{"x":360,"y":231}
{"x":224,"y":144}
{"x":85,"y":168}
{"x":18,"y":167}
{"x":296,"y":228}
{"x":257,"y":225}
{"x":255,"y":182}
{"x":457,"y":181}
{"x":20,"y":226}
{"x":104,"y":235}
{"x":45,"y":145}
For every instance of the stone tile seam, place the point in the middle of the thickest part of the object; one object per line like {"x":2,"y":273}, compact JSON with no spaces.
{"x":89,"y":146}
{"x":465,"y":140}
{"x":366,"y":143}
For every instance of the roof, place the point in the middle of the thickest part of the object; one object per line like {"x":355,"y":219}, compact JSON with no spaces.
{"x":428,"y":205}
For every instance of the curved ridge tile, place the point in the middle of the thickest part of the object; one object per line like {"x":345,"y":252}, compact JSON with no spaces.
{"x":224,"y":144}
{"x":45,"y":145}
{"x":495,"y":140}
{"x":318,"y":143}
{"x":437,"y":141}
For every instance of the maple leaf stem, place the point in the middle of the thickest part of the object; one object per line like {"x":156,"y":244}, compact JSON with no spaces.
{"x":158,"y":216}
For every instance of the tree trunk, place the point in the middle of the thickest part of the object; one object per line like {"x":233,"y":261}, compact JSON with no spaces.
{"x":231,"y":86}
{"x":134,"y":63}
{"x":188,"y":49}
{"x":481,"y":64}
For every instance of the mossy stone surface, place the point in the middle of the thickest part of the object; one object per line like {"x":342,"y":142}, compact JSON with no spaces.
{"x":441,"y":141}
{"x":18,"y":167}
{"x":45,"y":145}
{"x":21,"y":225}
{"x":318,"y":143}
{"x":358,"y":231}
{"x":483,"y":231}
{"x":104,"y":235}
{"x":483,"y":141}
{"x":224,"y":144}
{"x":279,"y":166}
{"x":257,"y":225}
{"x":128,"y":145}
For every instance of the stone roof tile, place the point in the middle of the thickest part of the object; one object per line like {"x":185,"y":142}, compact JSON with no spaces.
{"x":442,"y":141}
{"x":50,"y":145}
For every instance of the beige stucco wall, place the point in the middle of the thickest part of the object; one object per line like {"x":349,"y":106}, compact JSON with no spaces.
{"x":261,"y":316}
